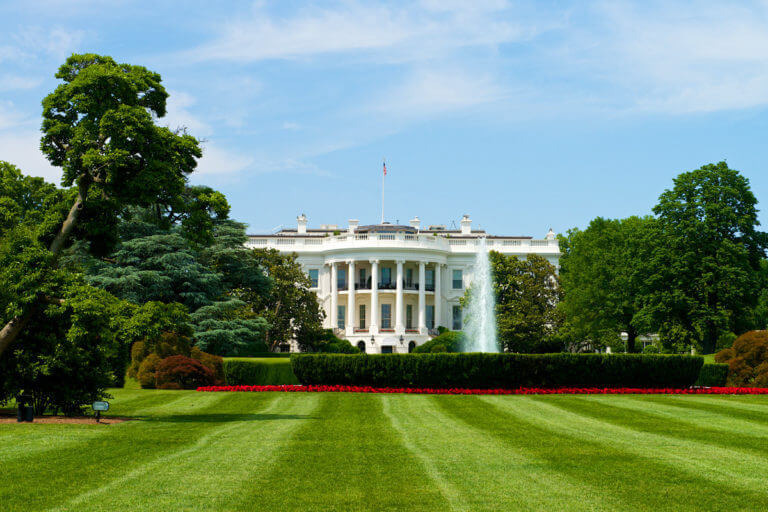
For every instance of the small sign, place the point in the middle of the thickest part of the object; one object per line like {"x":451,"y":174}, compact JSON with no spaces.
{"x":100,"y":406}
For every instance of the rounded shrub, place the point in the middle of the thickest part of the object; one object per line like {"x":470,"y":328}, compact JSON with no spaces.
{"x":747,"y":360}
{"x":184,"y":372}
{"x":147,"y":369}
{"x":446,"y":341}
{"x":213,"y":362}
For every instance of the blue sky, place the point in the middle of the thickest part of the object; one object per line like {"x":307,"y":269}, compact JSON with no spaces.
{"x":525,"y":115}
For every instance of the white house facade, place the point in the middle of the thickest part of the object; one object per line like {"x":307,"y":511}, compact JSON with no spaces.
{"x":385,"y":287}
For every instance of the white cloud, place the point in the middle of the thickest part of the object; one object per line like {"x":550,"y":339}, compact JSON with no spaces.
{"x":178,"y":115}
{"x":22,"y":149}
{"x":219,"y":161}
{"x":405,"y":33}
{"x":18,"y":82}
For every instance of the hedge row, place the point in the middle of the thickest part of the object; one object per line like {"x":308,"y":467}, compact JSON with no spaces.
{"x":258,"y":371}
{"x":502,"y":371}
{"x":713,"y":375}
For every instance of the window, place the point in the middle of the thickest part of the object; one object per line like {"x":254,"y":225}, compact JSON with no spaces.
{"x":362,"y":316}
{"x":341,"y":317}
{"x":409,"y":277}
{"x":430,"y":317}
{"x":456,"y":318}
{"x":361,"y":278}
{"x":313,"y":277}
{"x":429,"y":280}
{"x":409,"y":316}
{"x":341,"y":279}
{"x":386,"y":275}
{"x":386,"y":316}
{"x":411,"y":346}
{"x":458,"y":278}
{"x":386,"y":349}
{"x":361,"y":345}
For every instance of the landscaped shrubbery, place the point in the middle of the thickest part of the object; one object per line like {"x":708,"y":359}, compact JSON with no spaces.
{"x":182,"y":372}
{"x":747,"y":360}
{"x":447,"y":341}
{"x":258,"y":372}
{"x":713,"y":375}
{"x":498,"y":370}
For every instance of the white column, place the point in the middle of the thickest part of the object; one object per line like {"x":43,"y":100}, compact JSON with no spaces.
{"x":422,"y":300}
{"x":374,"y":328}
{"x":399,"y":327}
{"x":350,"y":298}
{"x":438,"y":293}
{"x":334,"y":295}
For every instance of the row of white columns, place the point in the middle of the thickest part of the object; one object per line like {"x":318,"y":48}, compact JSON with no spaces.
{"x":399,"y":302}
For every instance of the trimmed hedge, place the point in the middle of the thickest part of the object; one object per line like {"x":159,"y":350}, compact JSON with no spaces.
{"x":498,"y":371}
{"x":713,"y":375}
{"x":258,"y":371}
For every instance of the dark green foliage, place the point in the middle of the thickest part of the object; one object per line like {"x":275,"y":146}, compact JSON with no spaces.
{"x":181,"y":372}
{"x":747,"y":360}
{"x":713,"y":375}
{"x":226,"y":328}
{"x":323,"y":340}
{"x":447,"y":341}
{"x":703,"y":276}
{"x":494,"y":371}
{"x":211,"y":361}
{"x":255,"y":372}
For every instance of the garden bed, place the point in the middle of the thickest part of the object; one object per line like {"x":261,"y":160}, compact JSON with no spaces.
{"x":518,"y":391}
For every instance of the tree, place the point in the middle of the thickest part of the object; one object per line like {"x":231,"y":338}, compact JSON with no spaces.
{"x":602,"y":277}
{"x":703,"y":274}
{"x":527,"y":292}
{"x":98,"y":126}
{"x":290,"y":306}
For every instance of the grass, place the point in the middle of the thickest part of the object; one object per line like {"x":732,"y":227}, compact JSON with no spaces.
{"x":343,"y":451}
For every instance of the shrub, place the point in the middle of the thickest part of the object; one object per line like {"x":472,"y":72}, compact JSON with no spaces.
{"x":747,"y":360}
{"x":165,"y":345}
{"x":147,"y":369}
{"x":446,"y":341}
{"x":256,"y":372}
{"x":650,"y":349}
{"x":212,"y":362}
{"x":713,"y":375}
{"x":498,"y":371}
{"x":184,"y":372}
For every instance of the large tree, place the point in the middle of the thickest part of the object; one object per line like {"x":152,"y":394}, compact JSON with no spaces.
{"x":602,"y":276}
{"x":703,"y":275}
{"x":99,"y":127}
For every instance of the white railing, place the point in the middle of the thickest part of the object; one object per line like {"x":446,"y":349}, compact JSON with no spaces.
{"x":315,"y":243}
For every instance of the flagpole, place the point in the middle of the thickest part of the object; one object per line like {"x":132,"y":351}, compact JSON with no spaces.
{"x":383,"y":175}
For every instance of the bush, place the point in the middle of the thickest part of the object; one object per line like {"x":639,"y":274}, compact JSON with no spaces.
{"x":650,"y":349}
{"x":747,"y":360}
{"x":446,"y":341}
{"x":147,"y":369}
{"x":212,"y":362}
{"x":713,"y":375}
{"x":182,"y":372}
{"x":165,"y":345}
{"x":258,"y":372}
{"x":478,"y":370}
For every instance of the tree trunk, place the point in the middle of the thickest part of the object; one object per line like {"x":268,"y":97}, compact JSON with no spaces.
{"x":12,"y":329}
{"x":631,"y":338}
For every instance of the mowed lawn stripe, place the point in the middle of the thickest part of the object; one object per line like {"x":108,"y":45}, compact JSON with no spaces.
{"x":216,"y":469}
{"x":755,"y":410}
{"x":479,"y":471}
{"x":37,"y":480}
{"x":621,"y":475}
{"x":348,"y":458}
{"x":729,"y":473}
{"x":711,"y":426}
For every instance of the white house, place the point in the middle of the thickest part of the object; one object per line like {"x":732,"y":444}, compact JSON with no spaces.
{"x":386,"y":288}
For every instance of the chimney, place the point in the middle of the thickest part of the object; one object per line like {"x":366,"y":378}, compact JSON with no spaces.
{"x":353,"y":225}
{"x":415,"y":222}
{"x":466,"y":225}
{"x":550,"y":235}
{"x":302,"y":224}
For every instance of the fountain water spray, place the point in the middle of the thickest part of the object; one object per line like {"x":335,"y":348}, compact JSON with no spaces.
{"x":481,"y":325}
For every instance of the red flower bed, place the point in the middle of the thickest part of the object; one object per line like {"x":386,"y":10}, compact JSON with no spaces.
{"x":520,"y":391}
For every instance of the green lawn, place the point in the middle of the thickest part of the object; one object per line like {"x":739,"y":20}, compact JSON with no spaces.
{"x":296,"y":451}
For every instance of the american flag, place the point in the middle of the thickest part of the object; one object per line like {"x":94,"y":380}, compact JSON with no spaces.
{"x":385,"y":168}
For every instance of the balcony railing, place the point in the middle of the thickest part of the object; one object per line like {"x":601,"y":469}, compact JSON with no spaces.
{"x":447,"y":243}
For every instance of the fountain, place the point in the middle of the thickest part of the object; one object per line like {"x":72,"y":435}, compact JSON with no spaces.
{"x":481,"y":325}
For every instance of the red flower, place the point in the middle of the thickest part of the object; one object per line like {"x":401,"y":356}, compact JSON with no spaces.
{"x":519,"y":391}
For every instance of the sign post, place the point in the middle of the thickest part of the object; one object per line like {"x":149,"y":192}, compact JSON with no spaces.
{"x":98,"y":407}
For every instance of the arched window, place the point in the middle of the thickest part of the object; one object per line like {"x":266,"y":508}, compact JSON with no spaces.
{"x":361,"y":345}
{"x":411,"y":346}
